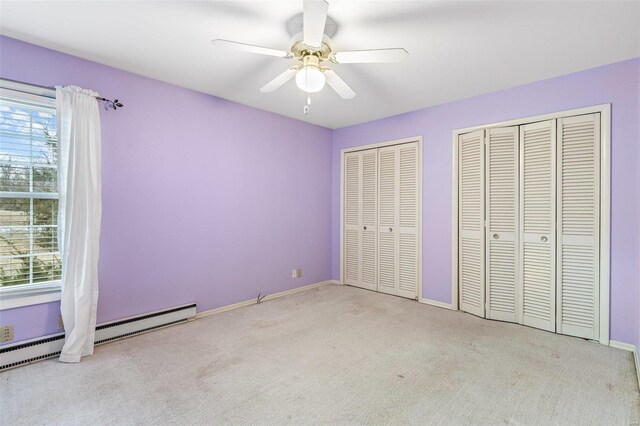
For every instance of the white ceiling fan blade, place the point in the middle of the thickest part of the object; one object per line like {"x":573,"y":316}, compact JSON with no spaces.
{"x":279,"y":80}
{"x":339,"y":85}
{"x":370,"y":56}
{"x":244,"y":47}
{"x":314,"y":17}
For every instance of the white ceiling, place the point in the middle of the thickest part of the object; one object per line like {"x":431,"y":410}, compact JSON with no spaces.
{"x":457,"y":49}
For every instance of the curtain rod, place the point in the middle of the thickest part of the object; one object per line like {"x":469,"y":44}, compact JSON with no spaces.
{"x":115,"y":104}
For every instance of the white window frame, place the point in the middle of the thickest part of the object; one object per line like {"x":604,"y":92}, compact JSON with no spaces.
{"x":605,"y":202}
{"x":29,"y":294}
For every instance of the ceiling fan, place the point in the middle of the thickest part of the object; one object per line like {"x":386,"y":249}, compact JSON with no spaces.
{"x":311,"y":49}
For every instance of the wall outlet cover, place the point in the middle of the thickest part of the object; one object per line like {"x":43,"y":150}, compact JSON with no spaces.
{"x":296,"y":273}
{"x":6,"y":333}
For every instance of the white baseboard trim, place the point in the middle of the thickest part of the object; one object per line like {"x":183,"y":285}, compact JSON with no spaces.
{"x":621,"y":345}
{"x":436,"y":303}
{"x":631,"y":348}
{"x":267,"y":297}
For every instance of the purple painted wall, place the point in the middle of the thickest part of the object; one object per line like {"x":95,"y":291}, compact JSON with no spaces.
{"x":209,"y":201}
{"x":204,"y":200}
{"x":617,"y":84}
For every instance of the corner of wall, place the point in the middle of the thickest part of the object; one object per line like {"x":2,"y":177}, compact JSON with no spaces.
{"x":638,"y":239}
{"x":335,"y":207}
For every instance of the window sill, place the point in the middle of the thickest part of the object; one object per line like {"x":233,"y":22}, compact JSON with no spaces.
{"x":11,"y":298}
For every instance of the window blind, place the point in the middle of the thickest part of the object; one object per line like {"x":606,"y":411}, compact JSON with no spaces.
{"x":28,"y":191}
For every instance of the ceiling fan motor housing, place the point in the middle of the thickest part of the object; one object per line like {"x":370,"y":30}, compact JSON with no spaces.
{"x":300,"y":51}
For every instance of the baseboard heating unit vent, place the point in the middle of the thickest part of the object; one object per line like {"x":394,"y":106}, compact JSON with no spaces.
{"x":47,"y":347}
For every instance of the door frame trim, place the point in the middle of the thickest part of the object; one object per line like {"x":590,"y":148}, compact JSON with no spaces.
{"x":402,"y":141}
{"x":605,"y":202}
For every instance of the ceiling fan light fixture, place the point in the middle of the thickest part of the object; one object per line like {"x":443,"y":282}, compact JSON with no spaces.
{"x":311,"y":49}
{"x":310,"y":79}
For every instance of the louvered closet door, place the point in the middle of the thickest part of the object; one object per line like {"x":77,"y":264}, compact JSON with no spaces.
{"x":471,"y":221}
{"x":352,"y":215}
{"x":408,"y":221}
{"x":388,"y":177}
{"x":537,"y":218}
{"x":502,"y":222}
{"x":369,"y":196}
{"x":578,"y":226}
{"x":360,"y":219}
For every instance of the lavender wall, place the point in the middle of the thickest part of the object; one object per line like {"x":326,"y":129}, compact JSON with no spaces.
{"x":211,"y":202}
{"x":204,"y":200}
{"x":617,"y":84}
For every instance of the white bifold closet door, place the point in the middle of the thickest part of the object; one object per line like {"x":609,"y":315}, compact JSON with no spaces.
{"x":537,"y":217}
{"x":535,"y":260}
{"x":398,"y":220}
{"x":408,"y":220}
{"x":360,"y":228}
{"x":578,"y":255}
{"x":501,"y":165}
{"x":471,"y":267}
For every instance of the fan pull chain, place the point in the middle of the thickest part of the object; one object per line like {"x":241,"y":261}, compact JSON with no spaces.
{"x":306,"y":107}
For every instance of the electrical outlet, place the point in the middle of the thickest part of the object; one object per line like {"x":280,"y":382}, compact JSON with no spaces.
{"x":296,"y":273}
{"x":6,"y":333}
{"x":60,"y":323}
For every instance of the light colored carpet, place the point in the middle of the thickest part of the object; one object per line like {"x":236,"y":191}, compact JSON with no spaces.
{"x":332,"y":355}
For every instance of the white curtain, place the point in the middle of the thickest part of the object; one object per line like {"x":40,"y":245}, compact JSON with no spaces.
{"x":79,"y":216}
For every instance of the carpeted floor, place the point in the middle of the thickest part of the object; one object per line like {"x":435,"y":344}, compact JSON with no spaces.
{"x":337,"y":355}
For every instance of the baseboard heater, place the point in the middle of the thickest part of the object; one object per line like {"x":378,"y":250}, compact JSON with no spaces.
{"x":38,"y":349}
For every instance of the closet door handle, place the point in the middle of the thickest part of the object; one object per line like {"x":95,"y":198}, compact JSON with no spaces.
{"x":390,"y":229}
{"x":496,"y":236}
{"x":543,"y":239}
{"x":365,"y":228}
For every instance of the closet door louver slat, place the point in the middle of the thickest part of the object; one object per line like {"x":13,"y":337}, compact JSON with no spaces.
{"x":471,"y":222}
{"x":537,"y":231}
{"x":578,"y":226}
{"x":502,"y":222}
{"x":387,"y":219}
{"x":408,"y":220}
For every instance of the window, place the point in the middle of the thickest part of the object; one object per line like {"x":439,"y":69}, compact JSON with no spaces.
{"x":29,"y":258}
